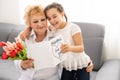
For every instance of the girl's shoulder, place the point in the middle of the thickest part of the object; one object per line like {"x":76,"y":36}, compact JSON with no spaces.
{"x":73,"y":25}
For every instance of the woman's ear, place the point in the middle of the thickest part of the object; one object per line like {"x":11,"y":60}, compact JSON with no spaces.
{"x":63,"y":13}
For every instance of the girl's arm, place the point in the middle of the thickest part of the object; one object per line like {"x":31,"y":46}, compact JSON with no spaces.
{"x":78,"y":41}
{"x":78,"y":47}
{"x":25,"y":33}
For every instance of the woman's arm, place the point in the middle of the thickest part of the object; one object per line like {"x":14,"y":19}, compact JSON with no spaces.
{"x":23,"y":64}
{"x":90,"y":67}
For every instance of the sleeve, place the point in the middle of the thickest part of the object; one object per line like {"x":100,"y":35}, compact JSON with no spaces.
{"x":75,"y":29}
{"x":18,"y":65}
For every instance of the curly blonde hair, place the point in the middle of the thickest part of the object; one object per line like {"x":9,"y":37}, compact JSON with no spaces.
{"x":32,"y":10}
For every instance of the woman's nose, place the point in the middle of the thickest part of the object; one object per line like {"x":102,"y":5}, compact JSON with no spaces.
{"x":39,"y":23}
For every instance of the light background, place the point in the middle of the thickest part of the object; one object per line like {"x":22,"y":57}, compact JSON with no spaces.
{"x":106,"y":12}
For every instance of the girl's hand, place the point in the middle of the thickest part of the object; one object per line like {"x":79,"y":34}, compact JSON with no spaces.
{"x":65,"y":48}
{"x":90,"y":67}
{"x":25,"y":34}
{"x":27,"y":63}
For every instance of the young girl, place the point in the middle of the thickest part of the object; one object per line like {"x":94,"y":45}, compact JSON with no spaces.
{"x":36,"y":32}
{"x":74,"y":67}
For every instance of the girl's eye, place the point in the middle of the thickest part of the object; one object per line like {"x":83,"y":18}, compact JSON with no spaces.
{"x":35,"y":21}
{"x":54,"y":16}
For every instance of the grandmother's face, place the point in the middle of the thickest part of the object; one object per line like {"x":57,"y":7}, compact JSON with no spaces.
{"x":39,"y":23}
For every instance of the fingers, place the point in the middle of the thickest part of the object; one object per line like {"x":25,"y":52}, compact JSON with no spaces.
{"x":25,"y":34}
{"x":90,"y":67}
{"x":27,"y":63}
{"x":22,"y":37}
{"x":31,"y":59}
{"x":64,"y":48}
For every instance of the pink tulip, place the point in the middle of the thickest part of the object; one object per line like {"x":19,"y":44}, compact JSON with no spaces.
{"x":14,"y":45}
{"x":5,"y":48}
{"x":10,"y":45}
{"x":17,"y":40}
{"x":8,"y":53}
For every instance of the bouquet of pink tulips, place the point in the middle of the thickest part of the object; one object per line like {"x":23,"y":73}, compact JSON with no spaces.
{"x":14,"y":51}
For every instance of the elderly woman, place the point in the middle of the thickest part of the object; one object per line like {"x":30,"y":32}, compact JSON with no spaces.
{"x":36,"y":20}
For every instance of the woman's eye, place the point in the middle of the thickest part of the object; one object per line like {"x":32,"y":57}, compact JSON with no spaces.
{"x":35,"y":21}
{"x":43,"y":19}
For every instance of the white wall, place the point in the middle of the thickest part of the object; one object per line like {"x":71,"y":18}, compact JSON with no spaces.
{"x":9,"y":11}
{"x":106,"y":12}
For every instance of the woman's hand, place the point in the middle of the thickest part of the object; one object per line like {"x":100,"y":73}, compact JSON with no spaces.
{"x":27,"y":63}
{"x":90,"y":67}
{"x":25,"y":34}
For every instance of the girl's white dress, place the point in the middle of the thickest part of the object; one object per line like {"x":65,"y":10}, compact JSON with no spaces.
{"x":74,"y":61}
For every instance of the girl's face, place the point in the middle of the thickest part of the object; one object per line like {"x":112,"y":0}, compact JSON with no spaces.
{"x":55,"y":17}
{"x":39,"y":23}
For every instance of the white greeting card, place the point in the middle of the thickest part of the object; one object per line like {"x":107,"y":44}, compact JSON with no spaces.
{"x":46,"y":53}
